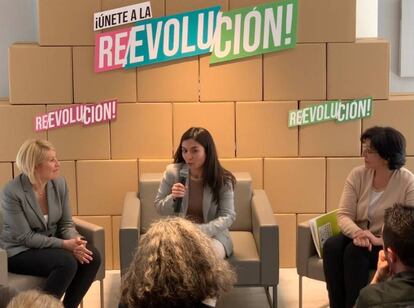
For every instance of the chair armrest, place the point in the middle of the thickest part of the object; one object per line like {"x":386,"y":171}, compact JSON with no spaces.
{"x":3,"y":267}
{"x":95,"y":235}
{"x":6,"y":295}
{"x":304,"y":248}
{"x":129,"y":230}
{"x":266,"y":236}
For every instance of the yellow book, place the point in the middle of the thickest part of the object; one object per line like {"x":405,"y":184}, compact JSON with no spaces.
{"x":322,"y":228}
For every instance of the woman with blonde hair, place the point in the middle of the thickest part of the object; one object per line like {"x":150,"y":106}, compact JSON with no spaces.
{"x":38,"y":232}
{"x":174,"y":267}
{"x":34,"y":299}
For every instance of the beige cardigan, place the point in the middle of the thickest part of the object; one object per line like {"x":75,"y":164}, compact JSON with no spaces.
{"x":353,"y":207}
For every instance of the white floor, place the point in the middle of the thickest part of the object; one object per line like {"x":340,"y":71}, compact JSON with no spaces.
{"x":314,"y":293}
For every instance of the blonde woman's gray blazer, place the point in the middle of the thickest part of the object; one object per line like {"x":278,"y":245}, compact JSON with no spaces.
{"x":218,"y":217}
{"x":24,"y":226}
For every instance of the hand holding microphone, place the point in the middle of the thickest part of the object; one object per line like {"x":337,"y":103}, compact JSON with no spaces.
{"x":178,"y":189}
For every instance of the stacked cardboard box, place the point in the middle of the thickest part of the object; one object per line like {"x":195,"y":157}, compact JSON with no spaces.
{"x":243,"y":103}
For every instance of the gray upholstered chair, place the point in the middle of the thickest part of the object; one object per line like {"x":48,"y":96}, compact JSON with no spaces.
{"x":94,"y":234}
{"x":308,"y":263}
{"x":255,"y":233}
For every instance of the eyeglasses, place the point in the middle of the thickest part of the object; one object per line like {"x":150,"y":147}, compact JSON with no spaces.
{"x":368,"y":150}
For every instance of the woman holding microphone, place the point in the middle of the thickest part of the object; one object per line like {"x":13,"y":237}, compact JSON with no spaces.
{"x":206,"y":193}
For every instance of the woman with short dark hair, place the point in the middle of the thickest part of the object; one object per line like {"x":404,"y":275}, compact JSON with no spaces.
{"x":368,"y":191}
{"x":389,"y":144}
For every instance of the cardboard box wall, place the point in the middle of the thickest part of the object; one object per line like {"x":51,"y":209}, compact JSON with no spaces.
{"x":217,"y":118}
{"x":174,"y":7}
{"x":295,"y":74}
{"x":80,"y":142}
{"x":238,"y":80}
{"x":259,"y":133}
{"x":157,"y":6}
{"x":67,"y":23}
{"x":17,"y":125}
{"x":40,"y":75}
{"x":321,"y":139}
{"x":102,"y":185}
{"x":397,"y":112}
{"x":159,"y":82}
{"x":287,"y":236}
{"x":359,"y":69}
{"x":93,"y":87}
{"x":149,"y":131}
{"x":261,"y":129}
{"x":6,"y":173}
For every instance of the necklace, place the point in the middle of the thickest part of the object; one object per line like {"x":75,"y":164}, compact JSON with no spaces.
{"x":40,"y":194}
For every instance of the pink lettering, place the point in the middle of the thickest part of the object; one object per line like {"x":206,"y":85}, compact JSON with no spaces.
{"x":110,"y":49}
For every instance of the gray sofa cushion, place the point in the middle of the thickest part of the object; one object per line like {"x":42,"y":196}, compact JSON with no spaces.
{"x":245,"y":258}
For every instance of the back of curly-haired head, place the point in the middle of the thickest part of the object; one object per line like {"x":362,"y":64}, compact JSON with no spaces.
{"x":398,"y":232}
{"x":34,"y":298}
{"x":175,"y":266}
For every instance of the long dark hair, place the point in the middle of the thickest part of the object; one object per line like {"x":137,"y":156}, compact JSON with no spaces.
{"x":215,"y":176}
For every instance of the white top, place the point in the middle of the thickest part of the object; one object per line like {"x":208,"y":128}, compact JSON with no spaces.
{"x":46,"y":217}
{"x":375,"y":195}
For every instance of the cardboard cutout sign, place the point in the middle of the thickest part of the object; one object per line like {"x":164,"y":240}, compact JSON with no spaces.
{"x":86,"y":114}
{"x":332,"y":110}
{"x":121,"y":16}
{"x":157,"y":40}
{"x":231,"y":35}
{"x":256,"y":30}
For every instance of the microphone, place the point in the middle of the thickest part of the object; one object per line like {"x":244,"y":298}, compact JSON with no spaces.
{"x":183,"y":179}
